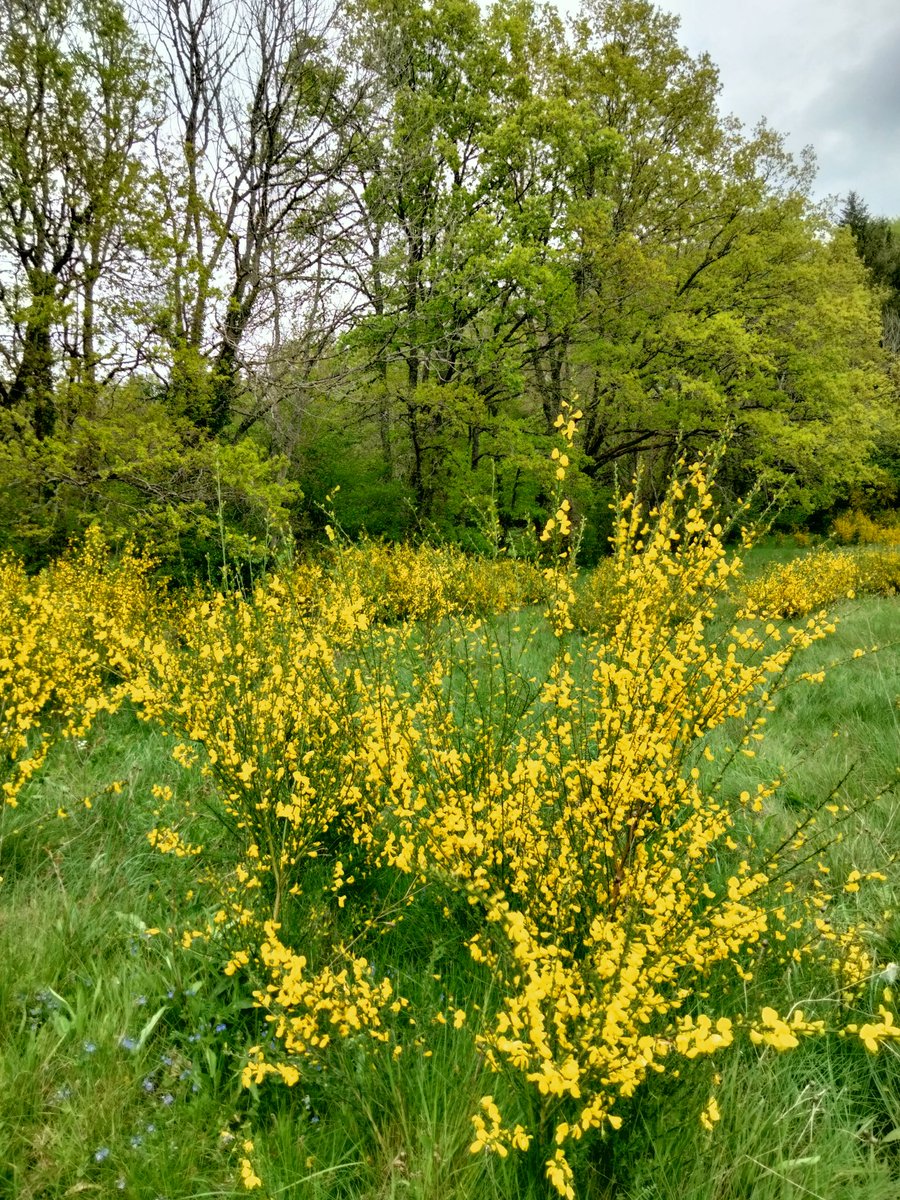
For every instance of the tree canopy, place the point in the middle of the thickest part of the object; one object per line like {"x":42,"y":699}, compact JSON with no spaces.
{"x":378,"y":244}
{"x":877,"y":241}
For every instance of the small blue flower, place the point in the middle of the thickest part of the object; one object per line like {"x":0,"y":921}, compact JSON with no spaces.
{"x":140,"y":1001}
{"x":89,"y":1047}
{"x":102,"y":1154}
{"x":194,"y":1037}
{"x":136,"y":1141}
{"x":167,"y":1099}
{"x":150,"y":1127}
{"x":166,"y":1060}
{"x":128,"y":1043}
{"x":221,"y":1027}
{"x":63,"y":1093}
{"x":170,"y":994}
{"x":148,"y":1085}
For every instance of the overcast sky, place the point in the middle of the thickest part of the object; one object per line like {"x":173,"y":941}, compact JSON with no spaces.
{"x":824,"y":72}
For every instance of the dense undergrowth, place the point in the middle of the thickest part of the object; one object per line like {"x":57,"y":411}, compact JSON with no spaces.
{"x":376,"y":879}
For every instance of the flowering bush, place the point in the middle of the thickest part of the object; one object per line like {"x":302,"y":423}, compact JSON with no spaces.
{"x":427,"y":583}
{"x":857,"y":528}
{"x":819,"y":579}
{"x":67,"y":640}
{"x":365,"y":741}
{"x":595,"y":851}
{"x":622,"y":903}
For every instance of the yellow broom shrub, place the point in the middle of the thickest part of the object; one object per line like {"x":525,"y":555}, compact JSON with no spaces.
{"x":593,"y":848}
{"x":819,"y":579}
{"x":620,"y":899}
{"x":67,"y":639}
{"x":857,"y":528}
{"x":429,"y":583}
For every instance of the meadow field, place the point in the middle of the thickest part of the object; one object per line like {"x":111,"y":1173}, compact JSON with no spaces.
{"x":401,"y":874}
{"x":393,"y":804}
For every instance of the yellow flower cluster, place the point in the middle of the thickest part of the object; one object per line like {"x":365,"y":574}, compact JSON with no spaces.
{"x":591,"y":846}
{"x":427,"y":583}
{"x":879,"y":572}
{"x":780,"y":1034}
{"x":807,"y":584}
{"x":264,"y":694}
{"x":856,"y":528}
{"x":67,"y":640}
{"x":490,"y":1134}
{"x":249,"y":1179}
{"x":819,"y":580}
{"x":308,"y":1009}
{"x":874,"y":1034}
{"x":559,"y":574}
{"x":259,"y":689}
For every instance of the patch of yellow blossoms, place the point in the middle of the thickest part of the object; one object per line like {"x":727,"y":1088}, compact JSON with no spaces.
{"x":583,"y":815}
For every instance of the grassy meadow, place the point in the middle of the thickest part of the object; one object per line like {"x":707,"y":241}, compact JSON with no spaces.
{"x":304,"y":957}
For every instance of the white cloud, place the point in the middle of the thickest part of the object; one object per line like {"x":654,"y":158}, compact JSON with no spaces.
{"x":825,"y":73}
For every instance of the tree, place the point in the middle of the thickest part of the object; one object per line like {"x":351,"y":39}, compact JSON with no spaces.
{"x":462,"y":178}
{"x":400,"y":233}
{"x":538,"y":213}
{"x":878,"y":245}
{"x":74,"y":96}
{"x":418,"y":251}
{"x":259,"y":107}
{"x":692,"y":259}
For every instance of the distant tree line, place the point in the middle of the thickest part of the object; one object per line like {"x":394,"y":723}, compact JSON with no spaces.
{"x":877,"y":241}
{"x":252,"y":251}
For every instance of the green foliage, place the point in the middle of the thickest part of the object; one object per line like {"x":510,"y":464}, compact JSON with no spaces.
{"x":877,"y":244}
{"x":139,"y":473}
{"x":77,"y":216}
{"x":612,"y":235}
{"x":388,"y":250}
{"x":342,"y":480}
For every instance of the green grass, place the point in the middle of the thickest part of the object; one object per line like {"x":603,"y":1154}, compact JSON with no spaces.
{"x":793,"y":1125}
{"x":775,"y":548}
{"x":120,"y":1051}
